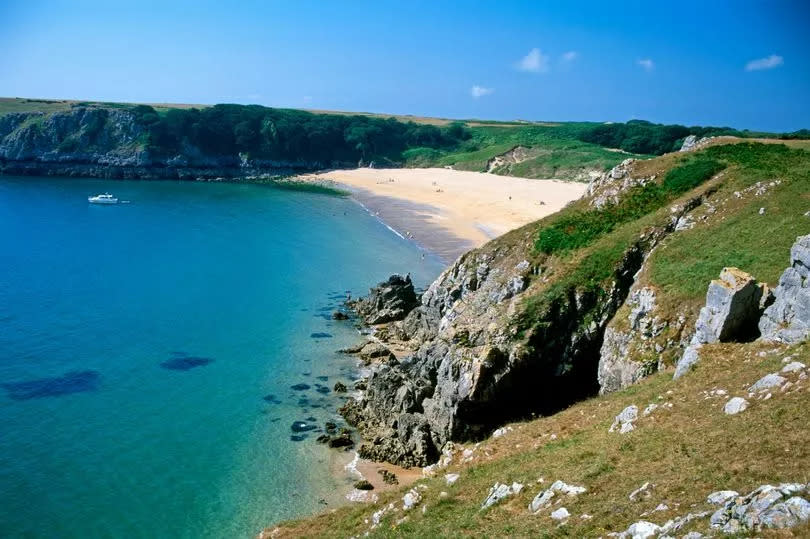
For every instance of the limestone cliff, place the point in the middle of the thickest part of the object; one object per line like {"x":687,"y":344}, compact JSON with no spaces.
{"x":485,"y":353}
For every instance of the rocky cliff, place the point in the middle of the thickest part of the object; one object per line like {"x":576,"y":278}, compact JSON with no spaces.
{"x":486,"y":351}
{"x":509,"y":332}
{"x":113,"y":142}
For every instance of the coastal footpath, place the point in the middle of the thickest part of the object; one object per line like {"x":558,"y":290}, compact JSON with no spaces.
{"x":671,"y":265}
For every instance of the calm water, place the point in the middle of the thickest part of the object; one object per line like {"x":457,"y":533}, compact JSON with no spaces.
{"x":138,"y":341}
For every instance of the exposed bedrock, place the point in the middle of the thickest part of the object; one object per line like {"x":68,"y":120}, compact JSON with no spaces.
{"x":479,"y":360}
{"x":787,"y":320}
{"x":389,"y":301}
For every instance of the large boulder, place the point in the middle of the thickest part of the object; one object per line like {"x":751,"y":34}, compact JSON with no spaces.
{"x":733,"y":307}
{"x":389,"y":301}
{"x":787,"y":320}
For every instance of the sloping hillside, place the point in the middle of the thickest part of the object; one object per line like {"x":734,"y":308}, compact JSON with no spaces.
{"x":686,"y":448}
{"x":120,"y":140}
{"x":597,"y":297}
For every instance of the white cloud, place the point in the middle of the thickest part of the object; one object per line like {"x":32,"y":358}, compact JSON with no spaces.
{"x":647,"y":64}
{"x":570,"y":56}
{"x":479,"y":91}
{"x":534,"y":62}
{"x":770,"y":62}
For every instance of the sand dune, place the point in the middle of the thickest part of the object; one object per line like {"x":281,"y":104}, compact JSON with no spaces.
{"x":450,"y":211}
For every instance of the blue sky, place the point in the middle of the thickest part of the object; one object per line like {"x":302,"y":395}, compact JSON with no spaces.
{"x":738,"y":63}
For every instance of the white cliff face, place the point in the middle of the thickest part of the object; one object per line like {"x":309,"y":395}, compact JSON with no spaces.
{"x":787,"y":320}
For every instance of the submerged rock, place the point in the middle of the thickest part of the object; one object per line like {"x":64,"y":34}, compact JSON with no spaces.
{"x":57,"y":386}
{"x":302,"y":426}
{"x":185,"y":363}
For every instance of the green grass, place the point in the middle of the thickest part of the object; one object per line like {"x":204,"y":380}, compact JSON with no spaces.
{"x":740,"y":236}
{"x":13,"y":104}
{"x":579,"y":229}
{"x":554,"y":152}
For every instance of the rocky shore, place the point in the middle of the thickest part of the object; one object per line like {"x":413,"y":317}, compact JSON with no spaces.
{"x":455,"y":363}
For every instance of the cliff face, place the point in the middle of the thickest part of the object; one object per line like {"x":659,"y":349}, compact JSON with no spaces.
{"x":110,"y":142}
{"x":478,"y":362}
{"x":509,"y":331}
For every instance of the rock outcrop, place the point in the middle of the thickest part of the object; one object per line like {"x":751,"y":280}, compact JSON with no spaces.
{"x":733,"y":307}
{"x":477,"y":363}
{"x":787,"y":320}
{"x":768,"y":506}
{"x":389,"y":301}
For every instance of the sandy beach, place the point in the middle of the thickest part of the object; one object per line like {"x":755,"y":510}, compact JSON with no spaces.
{"x":448,"y":211}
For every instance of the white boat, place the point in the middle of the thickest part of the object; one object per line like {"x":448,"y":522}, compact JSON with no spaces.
{"x":106,"y":198}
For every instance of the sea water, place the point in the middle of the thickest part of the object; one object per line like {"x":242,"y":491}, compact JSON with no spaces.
{"x":148,"y":352}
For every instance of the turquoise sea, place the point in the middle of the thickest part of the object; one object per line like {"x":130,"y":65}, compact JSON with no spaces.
{"x":147,"y":352}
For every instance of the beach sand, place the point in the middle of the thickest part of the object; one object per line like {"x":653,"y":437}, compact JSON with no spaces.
{"x":448,"y":211}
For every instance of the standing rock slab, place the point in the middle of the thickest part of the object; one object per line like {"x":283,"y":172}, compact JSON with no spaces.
{"x":787,"y":320}
{"x":731,"y":313}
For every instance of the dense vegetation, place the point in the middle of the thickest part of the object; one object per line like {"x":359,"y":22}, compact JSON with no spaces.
{"x":290,"y":135}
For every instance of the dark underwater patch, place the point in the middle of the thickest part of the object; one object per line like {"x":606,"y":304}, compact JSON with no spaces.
{"x":302,"y":426}
{"x":185,"y":363}
{"x":300,"y":387}
{"x":298,"y":437}
{"x":323,"y":378}
{"x":272,"y":399}
{"x":321,"y":335}
{"x":71,"y":382}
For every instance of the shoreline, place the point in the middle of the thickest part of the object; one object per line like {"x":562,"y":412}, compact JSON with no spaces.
{"x":448,"y":212}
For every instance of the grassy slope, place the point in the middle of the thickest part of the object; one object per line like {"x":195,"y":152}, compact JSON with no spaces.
{"x":687,"y":451}
{"x":554,"y":152}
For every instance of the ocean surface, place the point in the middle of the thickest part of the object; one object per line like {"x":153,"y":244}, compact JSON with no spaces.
{"x":148,"y":352}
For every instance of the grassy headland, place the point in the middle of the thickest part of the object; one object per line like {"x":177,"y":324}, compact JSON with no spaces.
{"x":568,"y":150}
